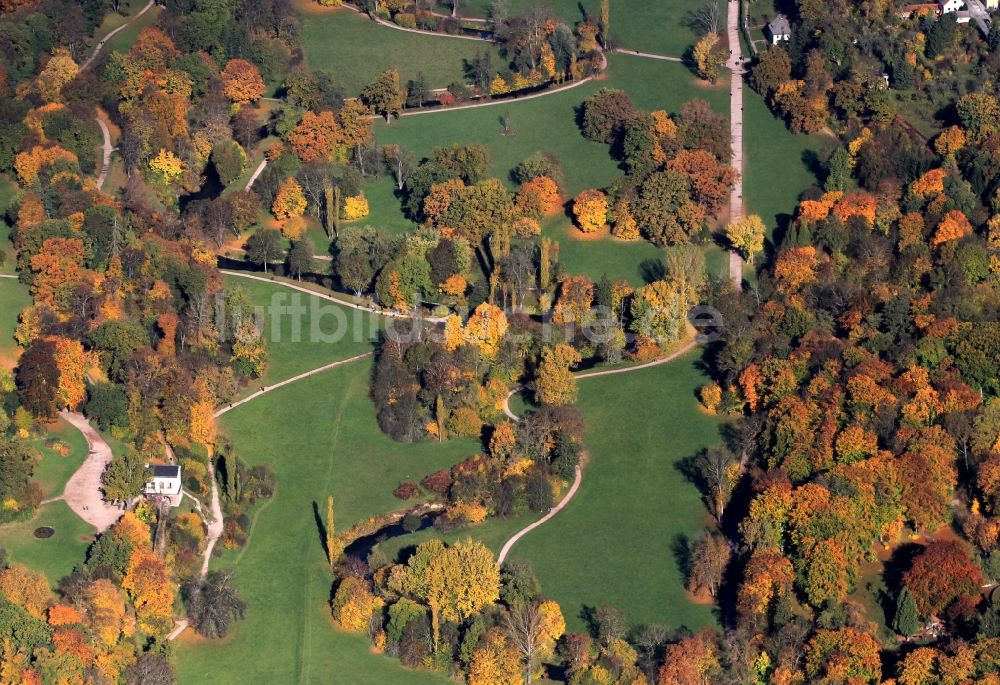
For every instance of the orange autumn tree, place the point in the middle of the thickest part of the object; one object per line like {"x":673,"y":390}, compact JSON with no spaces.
{"x":538,"y":197}
{"x":289,"y":202}
{"x":954,"y":226}
{"x":692,"y":660}
{"x":105,"y":610}
{"x":590,"y":208}
{"x":72,"y":362}
{"x":315,"y":137}
{"x":796,"y":268}
{"x":151,"y":590}
{"x":30,"y":163}
{"x":857,"y":203}
{"x":847,"y":655}
{"x":242,"y":82}
{"x":58,"y":268}
{"x":930,"y":184}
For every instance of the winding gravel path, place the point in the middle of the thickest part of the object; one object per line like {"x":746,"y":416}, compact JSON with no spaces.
{"x":111,"y":34}
{"x":106,"y":161}
{"x":578,"y":477}
{"x":331,"y":298}
{"x":83,"y":489}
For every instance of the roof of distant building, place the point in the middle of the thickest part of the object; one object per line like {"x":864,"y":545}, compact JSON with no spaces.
{"x":779,"y":26}
{"x":166,"y":471}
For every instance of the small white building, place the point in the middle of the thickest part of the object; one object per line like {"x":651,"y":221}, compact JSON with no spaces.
{"x":992,"y":4}
{"x":949,"y":6}
{"x":778,"y":29}
{"x":166,"y":482}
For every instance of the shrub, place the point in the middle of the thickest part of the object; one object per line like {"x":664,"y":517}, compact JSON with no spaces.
{"x":355,"y":207}
{"x":438,"y":482}
{"x":293,"y":228}
{"x":406,"y":20}
{"x":465,"y":422}
{"x":406,"y":491}
{"x":590,"y":209}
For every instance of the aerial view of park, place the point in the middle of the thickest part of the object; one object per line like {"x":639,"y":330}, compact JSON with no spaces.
{"x":499,"y":342}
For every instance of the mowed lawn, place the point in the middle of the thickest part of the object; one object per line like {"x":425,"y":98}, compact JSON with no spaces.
{"x":320,"y":437}
{"x":779,"y":163}
{"x":657,"y":26}
{"x":549,"y":124}
{"x":55,"y":556}
{"x":321,"y":333}
{"x":620,"y":540}
{"x":355,"y":50}
{"x":13,"y":298}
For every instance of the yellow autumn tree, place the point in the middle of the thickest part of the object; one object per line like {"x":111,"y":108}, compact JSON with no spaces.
{"x":496,"y":661}
{"x":747,"y":236}
{"x":590,"y":208}
{"x":486,"y":328}
{"x":555,"y":383}
{"x":354,"y":604}
{"x":289,"y":201}
{"x":27,"y":589}
{"x":105,"y":610}
{"x":60,"y":70}
{"x":355,"y":207}
{"x":707,"y":56}
{"x":167,"y":166}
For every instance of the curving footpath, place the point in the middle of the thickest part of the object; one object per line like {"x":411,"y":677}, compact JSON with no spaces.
{"x":83,"y":489}
{"x":106,"y":161}
{"x":578,"y":478}
{"x":331,"y":298}
{"x":111,"y":34}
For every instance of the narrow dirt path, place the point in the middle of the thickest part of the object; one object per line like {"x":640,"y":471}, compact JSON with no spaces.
{"x":216,"y":525}
{"x":257,"y":172}
{"x":735,"y":66}
{"x":391,"y":25}
{"x":106,"y":161}
{"x":331,"y":298}
{"x":111,"y":34}
{"x":650,"y":55}
{"x":578,"y":477}
{"x":83,"y":489}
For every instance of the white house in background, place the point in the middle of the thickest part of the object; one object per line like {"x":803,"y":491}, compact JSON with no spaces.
{"x":992,"y":4}
{"x":949,"y":6}
{"x":778,"y":29}
{"x":166,"y":482}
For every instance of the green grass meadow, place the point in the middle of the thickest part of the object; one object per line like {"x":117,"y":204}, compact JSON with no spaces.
{"x":620,"y":540}
{"x":779,"y":164}
{"x":356,"y":50}
{"x":320,"y":437}
{"x":55,"y":556}
{"x":325,"y":332}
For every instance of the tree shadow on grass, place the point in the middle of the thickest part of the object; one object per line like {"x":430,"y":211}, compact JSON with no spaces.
{"x":320,"y":528}
{"x":680,"y":547}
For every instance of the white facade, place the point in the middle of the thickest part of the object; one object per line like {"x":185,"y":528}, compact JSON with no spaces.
{"x":778,"y":29}
{"x":948,"y":6}
{"x":166,"y":481}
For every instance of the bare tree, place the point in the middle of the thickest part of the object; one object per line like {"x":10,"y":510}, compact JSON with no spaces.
{"x":523,"y":625}
{"x":707,"y":18}
{"x":715,"y":466}
{"x":400,"y":162}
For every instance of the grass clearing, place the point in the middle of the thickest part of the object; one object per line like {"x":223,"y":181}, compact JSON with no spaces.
{"x":55,"y":556}
{"x":320,"y":437}
{"x":779,"y":164}
{"x":54,"y":469}
{"x":14,"y":297}
{"x":324,"y":333}
{"x":123,"y":40}
{"x":356,"y":50}
{"x":620,"y":540}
